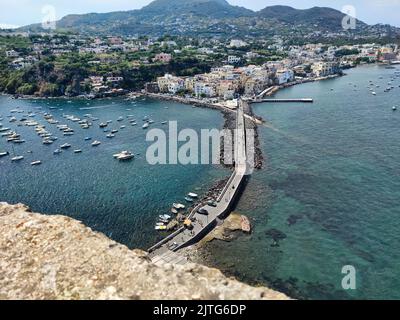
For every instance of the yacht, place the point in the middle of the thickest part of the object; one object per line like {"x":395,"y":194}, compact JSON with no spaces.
{"x":124,"y":155}
{"x":103,"y":125}
{"x":96,"y":143}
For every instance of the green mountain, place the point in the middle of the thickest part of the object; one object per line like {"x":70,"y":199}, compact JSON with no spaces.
{"x":208,"y":18}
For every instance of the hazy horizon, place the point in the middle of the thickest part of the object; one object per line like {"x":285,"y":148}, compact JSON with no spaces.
{"x":24,"y":12}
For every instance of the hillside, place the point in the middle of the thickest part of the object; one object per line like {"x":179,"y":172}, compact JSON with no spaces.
{"x":208,"y":18}
{"x":55,"y":257}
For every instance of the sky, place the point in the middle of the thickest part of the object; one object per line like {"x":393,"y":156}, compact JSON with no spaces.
{"x":23,"y":12}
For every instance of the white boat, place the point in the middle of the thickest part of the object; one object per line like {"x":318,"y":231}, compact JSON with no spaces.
{"x":57,"y":151}
{"x":394,"y":108}
{"x":193,"y":195}
{"x":96,"y":143}
{"x":160,"y":228}
{"x":36,"y":163}
{"x":78,"y":151}
{"x":179,"y":206}
{"x":110,"y":136}
{"x":3,"y":154}
{"x":124,"y":155}
{"x":373,"y":93}
{"x":146,"y":125}
{"x":165,"y":217}
{"x":65,"y":146}
{"x":17,"y":158}
{"x":47,"y":141}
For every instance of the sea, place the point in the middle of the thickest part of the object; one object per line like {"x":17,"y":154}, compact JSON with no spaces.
{"x":328,"y":195}
{"x":326,"y":198}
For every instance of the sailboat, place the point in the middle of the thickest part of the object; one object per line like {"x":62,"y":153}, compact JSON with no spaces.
{"x":16,"y":158}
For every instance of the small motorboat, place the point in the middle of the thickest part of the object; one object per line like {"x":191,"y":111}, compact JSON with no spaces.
{"x":78,"y":151}
{"x":146,"y":125}
{"x":36,"y":163}
{"x":96,"y":143}
{"x":179,"y":206}
{"x":103,"y":125}
{"x":88,"y":138}
{"x":193,"y":195}
{"x":394,"y":108}
{"x":65,"y":146}
{"x":57,"y":151}
{"x":110,"y":136}
{"x":3,"y":154}
{"x":188,"y":199}
{"x":17,"y":158}
{"x":114,"y":131}
{"x":161,"y":228}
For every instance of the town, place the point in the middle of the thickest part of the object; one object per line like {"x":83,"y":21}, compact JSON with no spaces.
{"x":210,"y":70}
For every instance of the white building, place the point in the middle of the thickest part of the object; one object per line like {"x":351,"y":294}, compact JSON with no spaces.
{"x":12,"y":54}
{"x":237,"y":43}
{"x":284,"y":76}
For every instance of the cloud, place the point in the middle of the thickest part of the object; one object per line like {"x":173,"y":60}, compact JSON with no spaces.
{"x":8,"y":26}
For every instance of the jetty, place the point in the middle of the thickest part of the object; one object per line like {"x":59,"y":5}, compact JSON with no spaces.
{"x":201,"y":224}
{"x":302,"y":100}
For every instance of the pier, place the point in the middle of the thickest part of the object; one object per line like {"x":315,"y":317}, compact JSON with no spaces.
{"x":166,"y":250}
{"x":303,"y":100}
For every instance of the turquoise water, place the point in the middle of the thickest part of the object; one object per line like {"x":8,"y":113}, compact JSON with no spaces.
{"x":329,"y":192}
{"x":122,"y":200}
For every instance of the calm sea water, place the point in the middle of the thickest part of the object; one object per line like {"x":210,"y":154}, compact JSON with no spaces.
{"x":329,"y":194}
{"x":122,"y":200}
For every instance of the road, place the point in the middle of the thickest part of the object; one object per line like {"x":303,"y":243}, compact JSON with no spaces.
{"x":203,"y":224}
